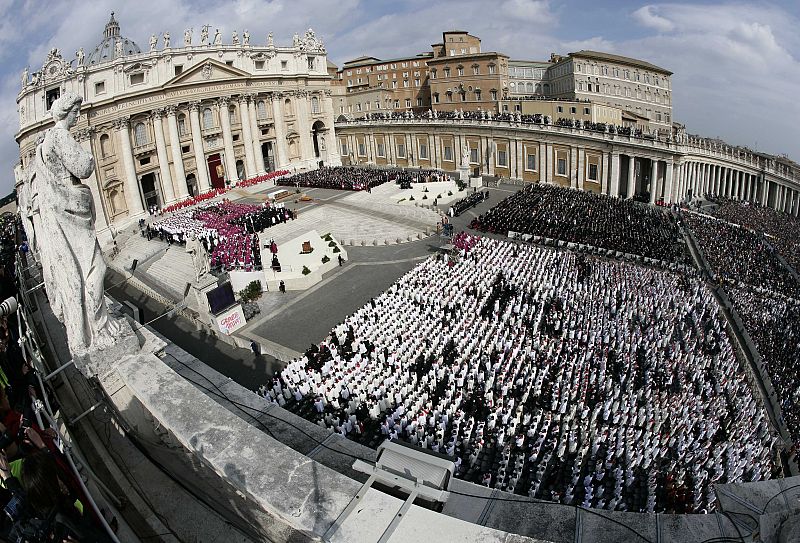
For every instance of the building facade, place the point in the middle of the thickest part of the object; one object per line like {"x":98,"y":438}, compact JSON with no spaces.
{"x":650,"y":169}
{"x":176,"y":121}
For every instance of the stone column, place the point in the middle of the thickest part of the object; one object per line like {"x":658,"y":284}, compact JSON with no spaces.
{"x":255,"y":137}
{"x":411,"y":156}
{"x":203,"y":181}
{"x":604,"y":175}
{"x":631,"y":177}
{"x":163,"y":161}
{"x":133,"y":197}
{"x":615,"y":170}
{"x":542,"y":163}
{"x":521,"y":160}
{"x":303,"y":115}
{"x":573,"y":167}
{"x":85,"y":137}
{"x":177,"y":155}
{"x":653,"y":181}
{"x":247,"y":136}
{"x":281,"y":151}
{"x":550,"y":162}
{"x":436,"y":151}
{"x":670,"y":185}
{"x":227,"y":138}
{"x":747,"y":188}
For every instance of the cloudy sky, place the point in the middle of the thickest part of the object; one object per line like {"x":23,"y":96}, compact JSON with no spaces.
{"x":736,"y":64}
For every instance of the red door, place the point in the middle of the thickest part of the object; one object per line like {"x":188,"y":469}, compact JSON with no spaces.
{"x":216,"y":171}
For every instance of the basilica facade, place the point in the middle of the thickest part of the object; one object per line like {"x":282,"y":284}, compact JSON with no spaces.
{"x":177,"y":120}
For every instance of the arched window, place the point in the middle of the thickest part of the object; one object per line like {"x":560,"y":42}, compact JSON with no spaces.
{"x":314,"y":104}
{"x":208,"y":118}
{"x":139,"y":134}
{"x":261,"y":109}
{"x":528,"y":87}
{"x":232,"y":114}
{"x":105,"y":146}
{"x":287,"y":107}
{"x":182,"y":131}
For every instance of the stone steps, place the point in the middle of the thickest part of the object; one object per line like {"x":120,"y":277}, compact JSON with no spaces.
{"x":173,"y":269}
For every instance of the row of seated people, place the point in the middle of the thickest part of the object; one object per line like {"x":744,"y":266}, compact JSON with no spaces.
{"x":782,"y":230}
{"x":583,"y":217}
{"x":740,"y":256}
{"x":213,"y":193}
{"x":358,"y":178}
{"x":468,"y":202}
{"x":237,"y":253}
{"x":585,"y":381}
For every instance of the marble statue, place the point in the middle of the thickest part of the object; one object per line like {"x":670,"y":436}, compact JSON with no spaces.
{"x":72,"y":264}
{"x":118,"y":48}
{"x":204,"y":34}
{"x":217,"y":38}
{"x":321,"y":142}
{"x":25,"y":77}
{"x":269,"y":40}
{"x":166,"y":40}
{"x":187,"y":37}
{"x":296,"y":41}
{"x":245,"y":37}
{"x":153,"y":42}
{"x":80,"y":55}
{"x":465,"y":156}
{"x":35,"y":78}
{"x":235,"y":38}
{"x":199,"y":257}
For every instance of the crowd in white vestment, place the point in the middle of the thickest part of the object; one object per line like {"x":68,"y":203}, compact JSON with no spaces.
{"x":546,"y":373}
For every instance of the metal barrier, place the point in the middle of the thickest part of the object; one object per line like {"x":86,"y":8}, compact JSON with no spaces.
{"x":32,"y":354}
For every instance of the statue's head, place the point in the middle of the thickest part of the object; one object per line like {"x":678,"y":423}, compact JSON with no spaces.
{"x":67,"y":107}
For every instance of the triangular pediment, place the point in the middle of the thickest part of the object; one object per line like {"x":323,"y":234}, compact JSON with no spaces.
{"x":206,"y":71}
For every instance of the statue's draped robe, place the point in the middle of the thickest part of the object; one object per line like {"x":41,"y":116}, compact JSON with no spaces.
{"x":72,"y":263}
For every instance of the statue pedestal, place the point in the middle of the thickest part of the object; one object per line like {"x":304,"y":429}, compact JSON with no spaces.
{"x":198,"y":295}
{"x":463,"y":173}
{"x":102,"y":360}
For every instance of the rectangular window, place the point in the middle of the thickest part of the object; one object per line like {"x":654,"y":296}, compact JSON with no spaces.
{"x":448,"y":153}
{"x":405,"y":83}
{"x":501,"y":158}
{"x":586,"y":111}
{"x":178,"y":69}
{"x":493,"y":94}
{"x":460,"y":71}
{"x":436,"y":98}
{"x":137,"y":79}
{"x":408,"y":102}
{"x":423,"y":151}
{"x":491,"y":69}
{"x":362,"y":149}
{"x":419,"y":102}
{"x":381,"y":150}
{"x":476,"y":70}
{"x":401,"y":150}
{"x":394,"y":84}
{"x":185,"y":149}
{"x":573,"y":110}
{"x":593,"y":172}
{"x":560,"y":109}
{"x":229,"y":62}
{"x":416,"y":82}
{"x":285,"y":64}
{"x":473,"y":155}
{"x":561,"y":166}
{"x":259,"y":65}
{"x":530,"y":162}
{"x":344,"y":149}
{"x":100,"y":87}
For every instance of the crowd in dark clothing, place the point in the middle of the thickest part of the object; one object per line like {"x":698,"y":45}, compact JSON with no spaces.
{"x":738,"y":255}
{"x":359,"y":178}
{"x":773,"y":323}
{"x":583,"y":217}
{"x":462,"y":205}
{"x":781,"y":230}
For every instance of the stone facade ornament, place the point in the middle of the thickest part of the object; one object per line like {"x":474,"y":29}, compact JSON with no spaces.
{"x":118,"y":48}
{"x":166,"y":40}
{"x":187,"y":37}
{"x":72,"y":263}
{"x":217,"y":38}
{"x":235,"y":38}
{"x":311,"y":43}
{"x":153,"y":42}
{"x":207,"y":70}
{"x":204,"y":34}
{"x":246,"y":38}
{"x":199,"y":257}
{"x":269,"y":40}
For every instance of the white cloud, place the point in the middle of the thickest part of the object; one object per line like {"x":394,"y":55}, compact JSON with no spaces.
{"x":534,"y":11}
{"x":648,"y":17}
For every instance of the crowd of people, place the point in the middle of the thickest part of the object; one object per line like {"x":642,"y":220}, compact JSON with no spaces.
{"x":545,"y":373}
{"x":583,"y":217}
{"x":228,"y":231}
{"x":781,"y":229}
{"x":42,"y":500}
{"x":468,"y":202}
{"x":213,"y":193}
{"x":773,"y":323}
{"x":739,"y":256}
{"x":359,"y":178}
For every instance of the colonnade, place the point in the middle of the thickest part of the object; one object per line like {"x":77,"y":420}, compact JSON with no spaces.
{"x":665,"y":172}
